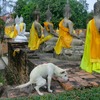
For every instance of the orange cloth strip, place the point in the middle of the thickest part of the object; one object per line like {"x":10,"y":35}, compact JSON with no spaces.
{"x":95,"y":43}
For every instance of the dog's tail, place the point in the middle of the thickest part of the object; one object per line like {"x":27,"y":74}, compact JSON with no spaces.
{"x":23,"y":85}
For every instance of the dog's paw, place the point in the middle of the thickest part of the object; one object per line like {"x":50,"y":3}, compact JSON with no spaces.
{"x":50,"y":91}
{"x":41,"y":94}
{"x":45,"y":87}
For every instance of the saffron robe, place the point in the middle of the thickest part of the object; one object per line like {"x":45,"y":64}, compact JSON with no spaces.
{"x":91,"y":57}
{"x":64,"y":40}
{"x":49,"y":36}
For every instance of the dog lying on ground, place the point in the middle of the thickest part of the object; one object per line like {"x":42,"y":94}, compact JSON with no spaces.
{"x":40,"y":72}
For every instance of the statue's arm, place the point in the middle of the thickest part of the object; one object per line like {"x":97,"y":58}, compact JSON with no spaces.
{"x":38,"y":29}
{"x":52,"y":31}
{"x":71,"y":29}
{"x":24,"y":28}
{"x":18,"y":29}
{"x":23,"y":31}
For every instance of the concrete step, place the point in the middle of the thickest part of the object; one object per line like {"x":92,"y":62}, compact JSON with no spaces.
{"x":2,"y":64}
{"x":5,"y":60}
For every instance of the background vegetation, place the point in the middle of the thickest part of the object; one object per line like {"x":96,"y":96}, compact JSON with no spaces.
{"x":26,"y":8}
{"x":2,"y":23}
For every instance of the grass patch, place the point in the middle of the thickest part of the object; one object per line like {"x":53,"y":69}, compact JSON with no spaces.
{"x":85,"y":94}
{"x":2,"y":78}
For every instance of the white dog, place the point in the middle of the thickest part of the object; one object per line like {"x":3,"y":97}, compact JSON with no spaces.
{"x":39,"y":73}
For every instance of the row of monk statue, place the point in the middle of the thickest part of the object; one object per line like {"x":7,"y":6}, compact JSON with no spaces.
{"x":17,"y":31}
{"x":40,"y":35}
{"x":66,"y":37}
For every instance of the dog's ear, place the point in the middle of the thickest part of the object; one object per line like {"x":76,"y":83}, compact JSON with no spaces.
{"x":68,"y":69}
{"x":62,"y":72}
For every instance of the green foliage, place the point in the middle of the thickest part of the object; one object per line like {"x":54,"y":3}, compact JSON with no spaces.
{"x":19,"y":6}
{"x":26,"y":12}
{"x":90,"y":16}
{"x":26,"y":8}
{"x":2,"y":23}
{"x":2,"y":79}
{"x":79,"y":14}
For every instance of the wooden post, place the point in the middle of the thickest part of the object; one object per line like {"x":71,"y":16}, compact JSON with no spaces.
{"x":17,"y":70}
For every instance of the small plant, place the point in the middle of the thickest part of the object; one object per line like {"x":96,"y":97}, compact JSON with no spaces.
{"x":2,"y":79}
{"x":2,"y":23}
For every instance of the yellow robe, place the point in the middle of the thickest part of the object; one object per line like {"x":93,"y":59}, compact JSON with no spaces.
{"x":64,"y":40}
{"x":34,"y":40}
{"x":91,"y":57}
{"x":11,"y":31}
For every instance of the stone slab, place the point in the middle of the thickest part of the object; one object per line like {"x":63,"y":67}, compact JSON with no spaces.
{"x":5,"y":60}
{"x":2,"y":64}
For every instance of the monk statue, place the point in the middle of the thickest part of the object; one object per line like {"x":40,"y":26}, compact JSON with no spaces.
{"x":91,"y":56}
{"x":48,"y":25}
{"x":9,"y":21}
{"x":67,"y":38}
{"x":11,"y":30}
{"x":49,"y":32}
{"x":9,"y":26}
{"x":36,"y":31}
{"x":21,"y":27}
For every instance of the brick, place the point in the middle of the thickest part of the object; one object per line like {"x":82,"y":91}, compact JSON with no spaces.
{"x":98,"y":82}
{"x":11,"y":95}
{"x":68,"y":69}
{"x":67,"y":86}
{"x":97,"y":75}
{"x":54,"y":78}
{"x":77,"y":69}
{"x":81,"y":81}
{"x":3,"y":97}
{"x":59,"y":90}
{"x":94,"y":84}
{"x":81,"y":73}
{"x":71,"y":79}
{"x":87,"y":76}
{"x":58,"y":87}
{"x":75,"y":84}
{"x":77,"y":78}
{"x":72,"y":75}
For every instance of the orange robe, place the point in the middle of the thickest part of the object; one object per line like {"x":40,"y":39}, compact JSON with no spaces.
{"x":64,"y":40}
{"x":49,"y":36}
{"x":95,"y":43}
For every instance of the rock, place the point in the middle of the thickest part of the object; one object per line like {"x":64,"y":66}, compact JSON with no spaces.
{"x":95,"y":84}
{"x":67,"y":86}
{"x":82,"y":35}
{"x":50,"y":45}
{"x":1,"y":89}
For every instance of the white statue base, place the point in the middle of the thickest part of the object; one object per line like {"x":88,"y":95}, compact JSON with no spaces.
{"x":21,"y":39}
